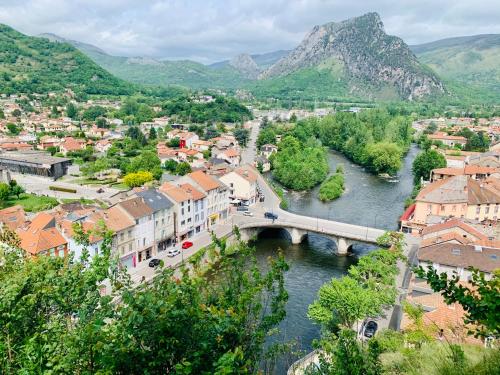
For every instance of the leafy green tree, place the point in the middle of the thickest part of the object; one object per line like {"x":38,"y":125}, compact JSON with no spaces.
{"x":4,"y":191}
{"x":13,"y":128}
{"x":16,"y":113}
{"x":15,"y":188}
{"x":343,"y":302}
{"x":146,"y":161}
{"x":384,"y":157}
{"x":174,"y":142}
{"x":170,"y":165}
{"x":182,"y":168}
{"x":425,"y":162}
{"x":137,"y":135}
{"x":299,"y":166}
{"x":101,"y":122}
{"x":92,"y":113}
{"x":152,"y":133}
{"x":478,"y":142}
{"x":242,"y":135}
{"x":71,"y":111}
{"x":52,"y":150}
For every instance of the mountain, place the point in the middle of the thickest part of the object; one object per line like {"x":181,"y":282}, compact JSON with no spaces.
{"x":29,"y":64}
{"x":469,"y":65}
{"x":150,"y":71}
{"x":361,"y":55}
{"x":263,"y":60}
{"x":244,"y":64}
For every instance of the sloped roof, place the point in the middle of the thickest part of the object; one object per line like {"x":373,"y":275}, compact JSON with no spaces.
{"x":136,"y":207}
{"x":205,"y":181}
{"x":155,"y":200}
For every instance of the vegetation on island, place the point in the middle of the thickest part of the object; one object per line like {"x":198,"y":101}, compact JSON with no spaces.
{"x":299,"y":166}
{"x":187,"y":324}
{"x":333,"y":187}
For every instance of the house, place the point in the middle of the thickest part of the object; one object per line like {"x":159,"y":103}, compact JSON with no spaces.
{"x":460,"y":231}
{"x":13,"y":217}
{"x":163,"y":216}
{"x":123,"y":235}
{"x":88,"y":223}
{"x":217,"y":196}
{"x":185,"y":154}
{"x":458,"y":196}
{"x":143,"y":232}
{"x":97,"y":132}
{"x":186,"y":139}
{"x":457,"y":259}
{"x":262,"y":164}
{"x":268,"y":149}
{"x":103,"y":146}
{"x":184,"y":198}
{"x":201,"y":145}
{"x":445,"y":320}
{"x":232,"y":156}
{"x":70,"y":144}
{"x":476,"y":172}
{"x":41,"y":237}
{"x":448,"y":140}
{"x":242,"y":183}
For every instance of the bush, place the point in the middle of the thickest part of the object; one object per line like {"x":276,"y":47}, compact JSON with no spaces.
{"x":390,"y":341}
{"x":332,"y":188}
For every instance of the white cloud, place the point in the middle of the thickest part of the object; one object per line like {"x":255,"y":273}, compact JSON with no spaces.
{"x":212,"y":30}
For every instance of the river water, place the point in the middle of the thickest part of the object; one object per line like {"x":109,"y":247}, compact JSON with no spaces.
{"x":368,"y":200}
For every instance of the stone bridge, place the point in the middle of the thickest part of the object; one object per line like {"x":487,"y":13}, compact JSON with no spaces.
{"x":298,"y":226}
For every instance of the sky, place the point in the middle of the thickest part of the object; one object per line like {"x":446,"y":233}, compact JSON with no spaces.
{"x":214,"y":30}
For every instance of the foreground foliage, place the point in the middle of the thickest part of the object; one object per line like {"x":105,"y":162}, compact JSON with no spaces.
{"x":54,"y":319}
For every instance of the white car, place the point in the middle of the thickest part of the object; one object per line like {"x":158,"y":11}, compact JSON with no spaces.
{"x":247,"y":213}
{"x":173,"y":252}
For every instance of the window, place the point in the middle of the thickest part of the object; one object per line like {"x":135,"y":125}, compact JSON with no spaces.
{"x":454,"y":207}
{"x":189,"y":220}
{"x":130,"y":247}
{"x":183,"y":222}
{"x":182,"y":211}
{"x":144,"y":242}
{"x":478,"y":209}
{"x":442,"y":207}
{"x":496,"y":209}
{"x":455,"y":251}
{"x":130,"y":233}
{"x":122,"y":236}
{"x":487,"y":210}
{"x":189,"y":208}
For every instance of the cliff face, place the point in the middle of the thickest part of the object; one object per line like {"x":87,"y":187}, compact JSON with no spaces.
{"x":244,"y":64}
{"x":368,"y":54}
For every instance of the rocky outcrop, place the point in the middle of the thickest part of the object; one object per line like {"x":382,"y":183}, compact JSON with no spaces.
{"x":244,"y":64}
{"x":368,"y":54}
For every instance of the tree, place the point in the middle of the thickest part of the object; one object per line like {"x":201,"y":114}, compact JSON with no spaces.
{"x":174,"y":142}
{"x":13,"y":128}
{"x":15,"y":189}
{"x":185,"y":323}
{"x":152,"y":133}
{"x":425,"y":162}
{"x":384,"y":157}
{"x":16,"y":113}
{"x":101,"y":122}
{"x":241,"y":136}
{"x":52,"y":150}
{"x":71,"y":111}
{"x":92,"y":113}
{"x":136,"y":134}
{"x":183,"y":168}
{"x":170,"y":165}
{"x":343,"y":302}
{"x":146,"y":161}
{"x":479,"y":300}
{"x":4,"y":191}
{"x":137,"y":179}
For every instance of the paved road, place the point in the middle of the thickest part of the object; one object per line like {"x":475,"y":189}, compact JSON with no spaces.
{"x":250,"y":152}
{"x":40,"y":186}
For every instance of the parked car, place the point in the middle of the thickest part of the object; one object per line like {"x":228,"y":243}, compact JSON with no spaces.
{"x":270,"y":215}
{"x":173,"y":252}
{"x":154,"y":263}
{"x":370,"y":329}
{"x":247,"y":213}
{"x":187,"y":245}
{"x":242,"y":208}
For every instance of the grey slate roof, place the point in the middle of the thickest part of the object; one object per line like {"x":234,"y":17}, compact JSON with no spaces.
{"x":155,"y":200}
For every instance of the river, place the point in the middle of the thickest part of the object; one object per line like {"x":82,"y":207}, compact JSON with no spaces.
{"x":368,"y":200}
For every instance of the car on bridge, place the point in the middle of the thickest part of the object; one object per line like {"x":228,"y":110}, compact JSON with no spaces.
{"x":270,"y":215}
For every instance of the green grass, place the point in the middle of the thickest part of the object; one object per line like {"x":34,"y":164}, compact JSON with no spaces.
{"x":31,"y":202}
{"x":431,"y":359}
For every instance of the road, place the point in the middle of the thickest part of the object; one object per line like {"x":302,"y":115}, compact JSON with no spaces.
{"x":250,"y":152}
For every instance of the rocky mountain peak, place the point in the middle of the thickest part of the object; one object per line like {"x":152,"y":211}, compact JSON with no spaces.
{"x":369,"y":57}
{"x":245,"y":65}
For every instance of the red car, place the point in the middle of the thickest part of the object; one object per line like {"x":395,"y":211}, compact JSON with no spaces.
{"x":187,"y":245}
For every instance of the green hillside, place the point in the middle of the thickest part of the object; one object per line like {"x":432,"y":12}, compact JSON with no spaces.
{"x":164,"y":73}
{"x":29,"y":64}
{"x":469,"y":65}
